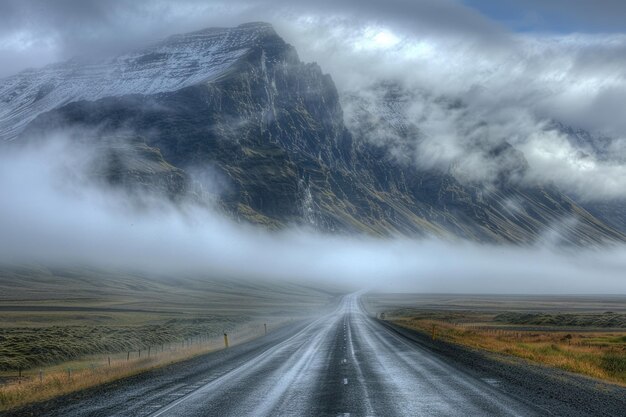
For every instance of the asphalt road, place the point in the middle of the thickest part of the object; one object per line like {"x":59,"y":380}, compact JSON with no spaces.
{"x":342,"y":364}
{"x":345,"y":364}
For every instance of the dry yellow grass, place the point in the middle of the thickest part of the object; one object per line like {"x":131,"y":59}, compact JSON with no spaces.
{"x":598,"y":354}
{"x":39,"y":385}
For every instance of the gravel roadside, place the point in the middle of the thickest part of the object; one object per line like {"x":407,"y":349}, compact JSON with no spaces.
{"x":558,"y":392}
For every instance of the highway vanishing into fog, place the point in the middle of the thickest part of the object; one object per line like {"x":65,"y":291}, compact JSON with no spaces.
{"x":345,"y":364}
{"x":342,"y":364}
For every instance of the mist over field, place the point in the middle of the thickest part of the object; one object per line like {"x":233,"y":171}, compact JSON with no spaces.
{"x":54,"y":211}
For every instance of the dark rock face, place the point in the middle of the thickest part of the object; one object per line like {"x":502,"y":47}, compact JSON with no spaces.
{"x":265,"y":124}
{"x":130,"y":164}
{"x":273,"y":129}
{"x":613,"y":213}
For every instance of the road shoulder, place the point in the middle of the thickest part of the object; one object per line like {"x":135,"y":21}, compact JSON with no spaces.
{"x":556,"y":391}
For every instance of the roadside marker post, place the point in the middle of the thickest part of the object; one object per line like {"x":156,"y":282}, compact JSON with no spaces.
{"x":433,"y":332}
{"x":40,"y":376}
{"x":265,"y":325}
{"x":225,"y":340}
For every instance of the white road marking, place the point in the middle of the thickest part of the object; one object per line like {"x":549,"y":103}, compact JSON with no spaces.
{"x":491,"y":381}
{"x":345,"y":381}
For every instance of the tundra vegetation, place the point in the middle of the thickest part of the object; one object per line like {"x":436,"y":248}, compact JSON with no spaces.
{"x":101,"y":326}
{"x":577,"y":342}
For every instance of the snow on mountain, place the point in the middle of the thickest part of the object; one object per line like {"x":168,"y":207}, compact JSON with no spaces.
{"x":175,"y":63}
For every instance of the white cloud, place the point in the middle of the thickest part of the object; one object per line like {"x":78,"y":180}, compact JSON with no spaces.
{"x":507,"y":94}
{"x":553,"y":157}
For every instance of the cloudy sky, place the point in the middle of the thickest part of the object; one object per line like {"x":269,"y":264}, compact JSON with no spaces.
{"x":518,"y":65}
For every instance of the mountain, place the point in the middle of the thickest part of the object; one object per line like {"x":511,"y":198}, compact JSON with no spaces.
{"x":237,"y":106}
{"x":611,"y":211}
{"x":178,"y":62}
{"x":500,"y":207}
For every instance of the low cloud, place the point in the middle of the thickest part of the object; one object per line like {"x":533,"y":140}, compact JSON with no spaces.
{"x":508,"y":93}
{"x":484,"y":145}
{"x":53,"y":212}
{"x":90,"y":27}
{"x":553,"y":158}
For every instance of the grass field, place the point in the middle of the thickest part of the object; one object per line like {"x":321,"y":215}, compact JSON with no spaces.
{"x":88,"y":371}
{"x":26,"y":342}
{"x":55,"y":320}
{"x":577,"y":334}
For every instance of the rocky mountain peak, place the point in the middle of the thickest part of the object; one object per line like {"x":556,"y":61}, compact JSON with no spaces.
{"x":174,"y":63}
{"x":239,"y":103}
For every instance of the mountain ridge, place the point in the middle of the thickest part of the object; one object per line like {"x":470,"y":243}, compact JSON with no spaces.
{"x":273,"y":128}
{"x":176,"y":62}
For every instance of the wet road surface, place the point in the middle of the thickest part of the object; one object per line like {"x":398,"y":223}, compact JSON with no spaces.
{"x":345,"y":364}
{"x":342,"y":364}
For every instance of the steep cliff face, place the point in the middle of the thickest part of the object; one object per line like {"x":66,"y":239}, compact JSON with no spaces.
{"x":269,"y":125}
{"x":271,"y":131}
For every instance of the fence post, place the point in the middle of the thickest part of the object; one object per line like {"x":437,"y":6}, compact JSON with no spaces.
{"x":128,"y":356}
{"x":69,"y":374}
{"x":148,"y":351}
{"x":265,"y":325}
{"x":225,"y":340}
{"x":41,"y":376}
{"x":109,"y":360}
{"x":19,"y":375}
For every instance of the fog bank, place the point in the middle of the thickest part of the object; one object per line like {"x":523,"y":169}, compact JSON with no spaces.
{"x":53,"y":212}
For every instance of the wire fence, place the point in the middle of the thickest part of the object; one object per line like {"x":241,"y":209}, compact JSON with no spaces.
{"x":32,"y":385}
